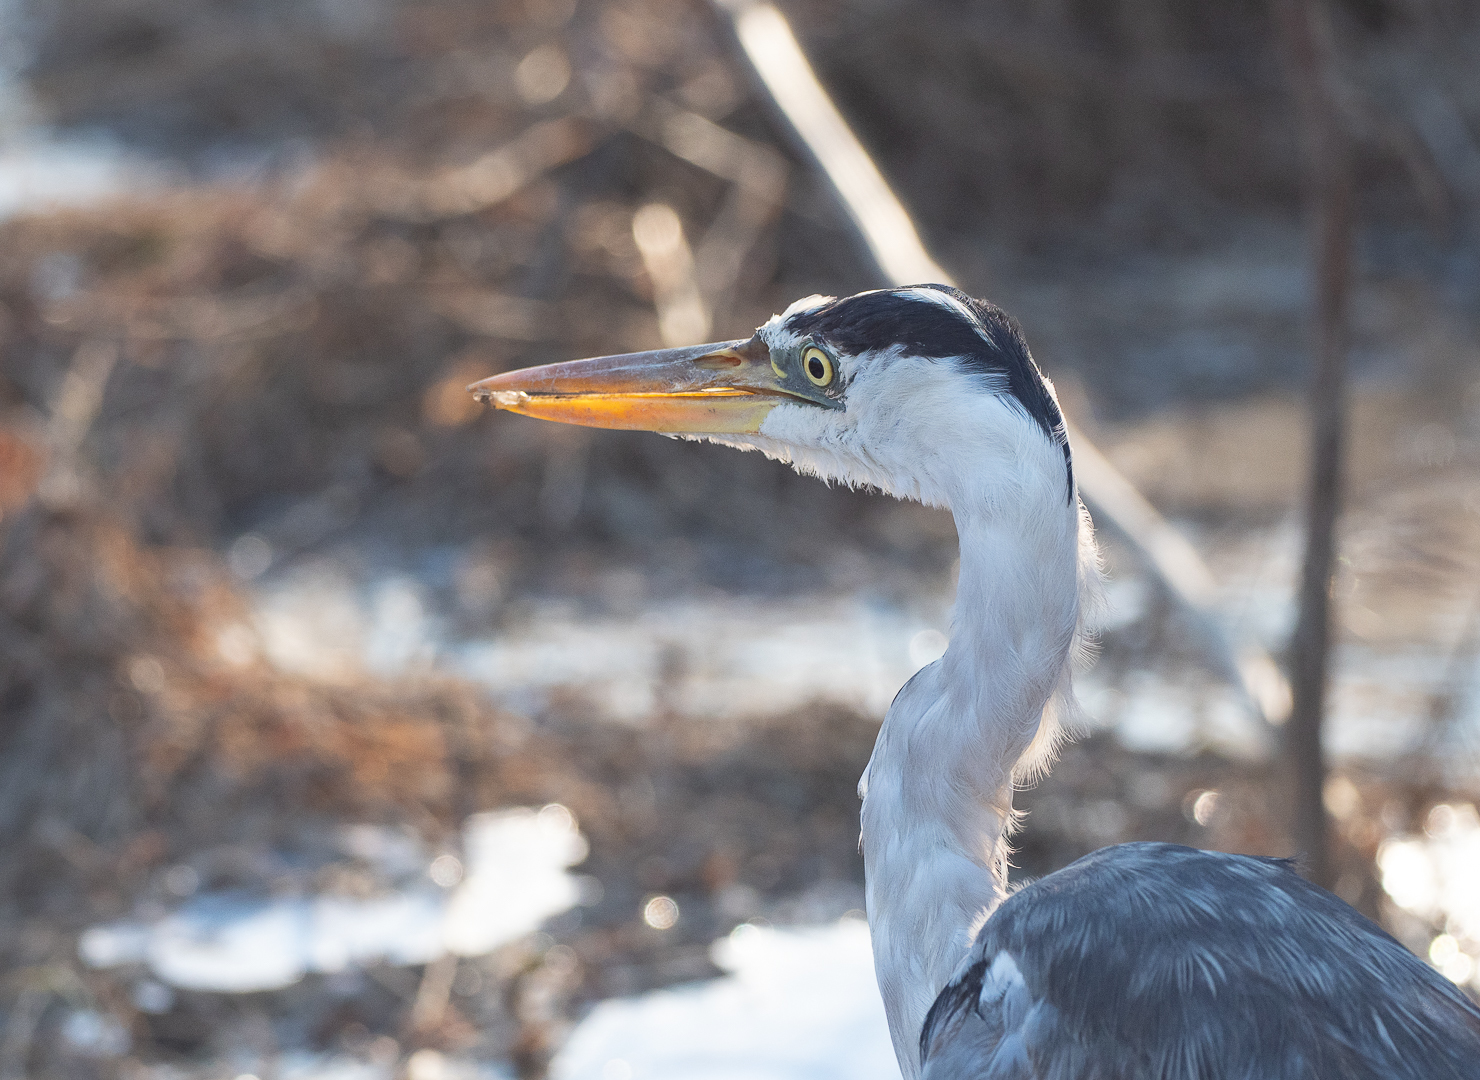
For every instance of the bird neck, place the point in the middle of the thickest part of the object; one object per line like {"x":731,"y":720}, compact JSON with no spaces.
{"x":938,"y":803}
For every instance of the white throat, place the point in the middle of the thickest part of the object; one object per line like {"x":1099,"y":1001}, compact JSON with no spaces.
{"x":938,"y":804}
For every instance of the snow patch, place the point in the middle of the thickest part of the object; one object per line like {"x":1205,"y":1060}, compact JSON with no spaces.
{"x":515,"y":878}
{"x":798,"y":1004}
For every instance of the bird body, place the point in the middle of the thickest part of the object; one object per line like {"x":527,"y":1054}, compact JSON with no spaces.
{"x":1155,"y":960}
{"x":1142,"y":961}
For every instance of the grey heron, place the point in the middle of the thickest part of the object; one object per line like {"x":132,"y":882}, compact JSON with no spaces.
{"x":1139,"y":961}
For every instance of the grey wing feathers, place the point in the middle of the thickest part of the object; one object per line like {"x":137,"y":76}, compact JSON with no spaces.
{"x":1158,"y":962}
{"x":992,"y":1028}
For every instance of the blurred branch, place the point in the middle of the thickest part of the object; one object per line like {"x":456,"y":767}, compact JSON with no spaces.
{"x":903,"y":259}
{"x":1306,"y":35}
{"x":1367,"y":119}
{"x":880,"y":217}
{"x":492,"y":314}
{"x":22,"y":464}
{"x":712,"y":268}
{"x":683,"y":316}
{"x":1449,"y":137}
{"x":205,"y":318}
{"x":758,"y":184}
{"x":433,"y":994}
{"x":1435,"y":754}
{"x":72,"y":414}
{"x":490,"y":179}
{"x":25,"y":1014}
{"x":1184,"y":573}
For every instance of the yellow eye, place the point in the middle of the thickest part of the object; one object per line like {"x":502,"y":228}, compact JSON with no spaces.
{"x":818,"y":366}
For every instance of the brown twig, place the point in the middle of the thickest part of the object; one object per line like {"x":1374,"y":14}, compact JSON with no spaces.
{"x":1306,"y":35}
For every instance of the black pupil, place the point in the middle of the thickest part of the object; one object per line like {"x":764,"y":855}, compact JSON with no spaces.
{"x":814,"y":365}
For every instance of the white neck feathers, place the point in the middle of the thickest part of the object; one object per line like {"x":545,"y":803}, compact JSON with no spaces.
{"x":938,"y":806}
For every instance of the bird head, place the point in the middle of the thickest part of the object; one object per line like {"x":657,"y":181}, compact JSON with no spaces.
{"x":921,"y":392}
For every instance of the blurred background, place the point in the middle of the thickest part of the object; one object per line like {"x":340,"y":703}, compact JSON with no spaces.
{"x":351,"y":731}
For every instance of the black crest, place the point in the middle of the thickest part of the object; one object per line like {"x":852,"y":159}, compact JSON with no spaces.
{"x":989,"y":342}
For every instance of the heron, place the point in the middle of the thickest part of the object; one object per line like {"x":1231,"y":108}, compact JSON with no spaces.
{"x":1141,"y":961}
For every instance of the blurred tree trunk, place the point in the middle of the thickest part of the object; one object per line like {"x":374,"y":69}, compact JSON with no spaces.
{"x":1308,"y":48}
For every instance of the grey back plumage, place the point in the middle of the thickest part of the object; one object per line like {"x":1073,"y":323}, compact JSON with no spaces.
{"x":1159,"y":962}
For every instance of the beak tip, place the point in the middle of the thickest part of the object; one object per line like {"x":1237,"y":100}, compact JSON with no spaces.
{"x":485,"y":393}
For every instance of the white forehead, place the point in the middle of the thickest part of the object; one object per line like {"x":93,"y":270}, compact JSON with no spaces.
{"x":774,"y":332}
{"x":806,"y":303}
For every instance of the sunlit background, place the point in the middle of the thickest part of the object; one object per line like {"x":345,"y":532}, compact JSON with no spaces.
{"x":353,"y":733}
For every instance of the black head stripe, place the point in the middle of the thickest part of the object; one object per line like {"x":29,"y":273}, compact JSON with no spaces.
{"x":990,"y":342}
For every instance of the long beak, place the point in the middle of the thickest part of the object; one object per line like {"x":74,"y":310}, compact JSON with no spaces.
{"x":723,"y":388}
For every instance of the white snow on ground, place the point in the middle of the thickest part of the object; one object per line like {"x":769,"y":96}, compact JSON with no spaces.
{"x":737,"y":657}
{"x":705,"y":657}
{"x":41,"y":168}
{"x":422,"y":1065}
{"x":43,"y":173}
{"x":514,"y":878}
{"x":798,"y":1004}
{"x":710,"y":657}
